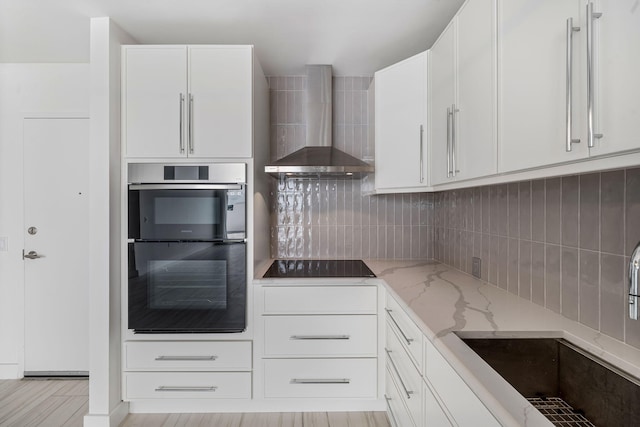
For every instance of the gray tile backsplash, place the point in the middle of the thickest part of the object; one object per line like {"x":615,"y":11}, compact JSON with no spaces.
{"x":333,"y":218}
{"x":562,"y":243}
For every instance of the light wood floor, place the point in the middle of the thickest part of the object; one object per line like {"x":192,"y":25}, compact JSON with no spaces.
{"x":63,"y":403}
{"x":307,"y":419}
{"x":46,"y":403}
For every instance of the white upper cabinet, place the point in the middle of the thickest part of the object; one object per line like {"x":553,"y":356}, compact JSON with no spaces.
{"x":442,"y":95}
{"x":154,"y":85}
{"x":400,"y":126}
{"x":463,"y":96}
{"x":568,"y":89}
{"x":220,"y":83}
{"x":538,"y":56}
{"x":616,"y":58}
{"x":187,"y":101}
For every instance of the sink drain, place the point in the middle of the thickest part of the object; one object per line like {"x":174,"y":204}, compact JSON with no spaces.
{"x":559,"y":412}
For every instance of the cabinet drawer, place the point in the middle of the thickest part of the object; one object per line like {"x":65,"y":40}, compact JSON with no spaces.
{"x":405,"y":375}
{"x":188,"y":385}
{"x":463,"y":405}
{"x":320,"y":378}
{"x":320,"y":300}
{"x":188,"y":355}
{"x":320,"y":335}
{"x":398,"y":413}
{"x":409,"y":333}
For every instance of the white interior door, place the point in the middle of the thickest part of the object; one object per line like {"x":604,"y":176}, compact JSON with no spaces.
{"x":56,"y":170}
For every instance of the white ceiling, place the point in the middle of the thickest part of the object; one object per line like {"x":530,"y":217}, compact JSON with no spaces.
{"x":357,"y":37}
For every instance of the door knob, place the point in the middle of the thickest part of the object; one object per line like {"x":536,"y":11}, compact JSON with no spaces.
{"x":30,"y":255}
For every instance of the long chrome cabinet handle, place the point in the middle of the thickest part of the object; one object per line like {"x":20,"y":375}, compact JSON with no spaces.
{"x":320,"y":337}
{"x":449,"y":142}
{"x":454,"y":141}
{"x":320,"y":381}
{"x":186,"y":389}
{"x":569,"y":82}
{"x":181,"y":123}
{"x":421,"y":154}
{"x":407,"y":339}
{"x":591,"y":135}
{"x":634,"y":268}
{"x":190,"y":124}
{"x":393,"y":417}
{"x":185,"y":358}
{"x":395,"y":368}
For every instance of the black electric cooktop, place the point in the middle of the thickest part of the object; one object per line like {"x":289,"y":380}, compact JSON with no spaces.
{"x":318,"y":268}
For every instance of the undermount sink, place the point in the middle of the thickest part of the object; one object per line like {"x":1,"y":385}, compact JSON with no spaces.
{"x":562,"y":381}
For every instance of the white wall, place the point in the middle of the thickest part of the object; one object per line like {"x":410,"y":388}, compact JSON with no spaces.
{"x":26,"y":90}
{"x":105,"y":405}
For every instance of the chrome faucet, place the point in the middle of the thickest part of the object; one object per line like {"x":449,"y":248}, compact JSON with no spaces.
{"x":634,"y":267}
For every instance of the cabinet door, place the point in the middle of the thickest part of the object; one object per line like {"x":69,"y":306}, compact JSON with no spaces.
{"x":220,"y":101}
{"x":434,"y":415}
{"x":442,"y":96}
{"x":617,"y":61}
{"x":462,"y":404}
{"x":475,"y":146}
{"x":532,"y":38}
{"x":400,"y":125}
{"x":154,"y":80}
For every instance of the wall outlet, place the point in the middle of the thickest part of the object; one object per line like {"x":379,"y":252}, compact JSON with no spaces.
{"x":476,"y":267}
{"x":4,"y":244}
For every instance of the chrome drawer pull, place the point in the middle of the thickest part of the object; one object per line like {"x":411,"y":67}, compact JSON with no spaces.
{"x":569,"y":83}
{"x":408,"y":340}
{"x":186,"y":389}
{"x":395,"y":368}
{"x":181,"y":117}
{"x":186,"y":358}
{"x":320,"y":381}
{"x":320,"y":337}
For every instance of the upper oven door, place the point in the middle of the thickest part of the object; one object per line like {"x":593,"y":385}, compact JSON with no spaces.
{"x":209,"y":212}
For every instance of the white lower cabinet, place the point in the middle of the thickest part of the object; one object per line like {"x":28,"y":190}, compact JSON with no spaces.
{"x":429,"y":393}
{"x":187,"y":370}
{"x":317,"y":342}
{"x":320,"y":300}
{"x":187,"y":355}
{"x":320,"y":378}
{"x":408,"y":332}
{"x":397,"y":412}
{"x":434,"y":415}
{"x":320,"y":336}
{"x":188,"y":385}
{"x":405,"y":375}
{"x":463,"y":405}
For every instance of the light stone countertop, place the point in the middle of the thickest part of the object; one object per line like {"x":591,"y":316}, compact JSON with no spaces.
{"x":442,"y":300}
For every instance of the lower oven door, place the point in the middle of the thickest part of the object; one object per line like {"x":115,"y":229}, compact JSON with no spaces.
{"x":187,"y":287}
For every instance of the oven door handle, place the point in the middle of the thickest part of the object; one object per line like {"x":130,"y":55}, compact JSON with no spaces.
{"x":185,"y":186}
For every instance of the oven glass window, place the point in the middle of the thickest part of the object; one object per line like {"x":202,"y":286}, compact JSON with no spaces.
{"x":200,"y":214}
{"x":187,"y":210}
{"x":187,"y":285}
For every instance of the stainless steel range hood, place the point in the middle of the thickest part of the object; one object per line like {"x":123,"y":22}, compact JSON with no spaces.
{"x":319,"y":159}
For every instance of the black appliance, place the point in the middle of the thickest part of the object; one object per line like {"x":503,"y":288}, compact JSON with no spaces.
{"x":187,"y":248}
{"x":318,"y":268}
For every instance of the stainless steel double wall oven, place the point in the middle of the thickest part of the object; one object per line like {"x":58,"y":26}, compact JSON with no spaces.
{"x":187,"y":248}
